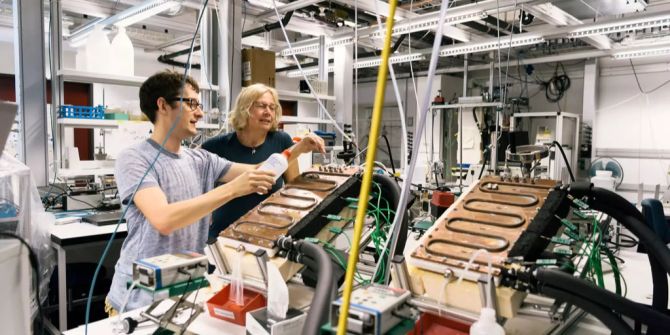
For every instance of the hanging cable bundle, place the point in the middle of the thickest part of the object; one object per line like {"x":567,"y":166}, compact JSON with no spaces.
{"x":555,"y":88}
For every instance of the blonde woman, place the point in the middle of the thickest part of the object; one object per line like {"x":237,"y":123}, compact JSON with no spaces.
{"x":255,"y":120}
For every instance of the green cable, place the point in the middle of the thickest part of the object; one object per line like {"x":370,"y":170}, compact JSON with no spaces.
{"x":332,"y":251}
{"x":615,"y":271}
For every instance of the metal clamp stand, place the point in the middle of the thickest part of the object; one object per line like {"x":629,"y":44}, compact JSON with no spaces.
{"x":165,"y":320}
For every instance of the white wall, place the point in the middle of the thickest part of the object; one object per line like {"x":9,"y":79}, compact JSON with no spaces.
{"x":629,"y":119}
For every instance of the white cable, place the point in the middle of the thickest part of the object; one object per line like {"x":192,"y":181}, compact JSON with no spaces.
{"x":411,"y":71}
{"x":311,"y":89}
{"x":404,"y":193}
{"x":125,"y":302}
{"x":401,"y":110}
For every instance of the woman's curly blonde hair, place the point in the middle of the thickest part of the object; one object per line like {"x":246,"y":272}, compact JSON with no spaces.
{"x":240,"y":114}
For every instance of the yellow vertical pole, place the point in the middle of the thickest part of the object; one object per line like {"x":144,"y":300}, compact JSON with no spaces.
{"x":367,"y":173}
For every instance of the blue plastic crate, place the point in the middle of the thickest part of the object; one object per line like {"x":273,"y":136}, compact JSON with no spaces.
{"x":82,"y":112}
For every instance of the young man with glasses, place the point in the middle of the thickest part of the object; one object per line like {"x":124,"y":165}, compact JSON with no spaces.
{"x":255,"y":119}
{"x":170,"y":211}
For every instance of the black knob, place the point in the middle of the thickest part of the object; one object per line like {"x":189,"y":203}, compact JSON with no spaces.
{"x":129,"y":324}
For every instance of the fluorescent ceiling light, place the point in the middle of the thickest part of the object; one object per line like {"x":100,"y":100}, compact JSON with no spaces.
{"x":313,"y":47}
{"x":142,"y":12}
{"x":516,"y":41}
{"x":642,"y":53}
{"x":127,"y":17}
{"x":363,"y":63}
{"x":637,"y":23}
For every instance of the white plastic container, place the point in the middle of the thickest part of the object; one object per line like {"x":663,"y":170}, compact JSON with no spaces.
{"x":124,"y":53}
{"x":487,"y":325}
{"x":603,"y":179}
{"x":277,"y":163}
{"x":98,"y":50}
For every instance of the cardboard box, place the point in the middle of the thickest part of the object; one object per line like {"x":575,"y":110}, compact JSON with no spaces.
{"x":257,"y":323}
{"x":258,"y":66}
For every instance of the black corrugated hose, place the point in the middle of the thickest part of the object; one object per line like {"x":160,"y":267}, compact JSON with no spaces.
{"x":319,"y":310}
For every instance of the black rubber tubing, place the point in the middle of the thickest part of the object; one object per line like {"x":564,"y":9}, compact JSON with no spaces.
{"x":319,"y":311}
{"x":624,"y":212}
{"x":393,"y":196}
{"x":616,"y":325}
{"x":603,"y":297}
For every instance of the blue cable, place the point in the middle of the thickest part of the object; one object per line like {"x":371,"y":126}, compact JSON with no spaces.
{"x":132,"y":196}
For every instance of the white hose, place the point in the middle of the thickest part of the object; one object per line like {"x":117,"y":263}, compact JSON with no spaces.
{"x":489,"y":271}
{"x":404,"y":193}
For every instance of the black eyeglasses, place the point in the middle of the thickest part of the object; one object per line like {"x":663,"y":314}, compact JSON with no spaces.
{"x":261,"y":105}
{"x":192,"y":103}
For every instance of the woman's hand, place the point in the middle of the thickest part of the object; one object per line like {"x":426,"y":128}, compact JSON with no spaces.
{"x":309,"y":143}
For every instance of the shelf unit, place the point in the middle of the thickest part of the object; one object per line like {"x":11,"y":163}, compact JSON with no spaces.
{"x":98,"y":123}
{"x":306,"y":120}
{"x":287,"y":95}
{"x":71,"y":75}
{"x":468,"y":105}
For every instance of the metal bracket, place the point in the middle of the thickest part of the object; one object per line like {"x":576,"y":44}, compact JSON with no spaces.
{"x":401,"y":273}
{"x":262,"y":260}
{"x":219,"y":258}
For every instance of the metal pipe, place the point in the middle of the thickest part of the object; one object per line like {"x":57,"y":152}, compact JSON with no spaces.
{"x":494,"y":135}
{"x":460,"y":125}
{"x":269,"y":27}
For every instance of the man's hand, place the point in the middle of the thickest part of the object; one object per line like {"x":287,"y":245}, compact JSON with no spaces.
{"x":252,"y":181}
{"x":309,"y":143}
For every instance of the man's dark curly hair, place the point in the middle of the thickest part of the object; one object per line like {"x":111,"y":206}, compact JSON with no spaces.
{"x":166,"y":84}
